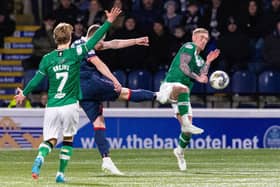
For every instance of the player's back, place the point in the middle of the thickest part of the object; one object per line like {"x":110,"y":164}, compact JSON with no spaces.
{"x":63,"y":69}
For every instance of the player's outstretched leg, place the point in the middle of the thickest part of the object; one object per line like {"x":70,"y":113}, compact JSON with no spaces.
{"x":183,"y":106}
{"x":44,"y":149}
{"x":141,"y":95}
{"x":188,"y":127}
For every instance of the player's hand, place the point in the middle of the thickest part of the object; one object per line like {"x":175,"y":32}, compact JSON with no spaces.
{"x":19,"y":97}
{"x":113,"y":14}
{"x":99,"y":46}
{"x":142,"y":41}
{"x":212,"y":56}
{"x":118,"y":86}
{"x":202,"y":78}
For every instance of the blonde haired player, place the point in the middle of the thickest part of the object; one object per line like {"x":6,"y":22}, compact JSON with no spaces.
{"x":62,"y":66}
{"x":187,"y":66}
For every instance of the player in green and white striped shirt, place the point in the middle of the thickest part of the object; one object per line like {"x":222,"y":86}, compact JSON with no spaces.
{"x":62,"y":67}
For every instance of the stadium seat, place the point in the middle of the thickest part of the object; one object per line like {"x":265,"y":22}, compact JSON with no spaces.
{"x":269,"y":89}
{"x":121,"y":76}
{"x":158,"y":78}
{"x":269,"y":82}
{"x":140,"y":79}
{"x":244,"y":82}
{"x":244,"y":87}
{"x":198,"y":88}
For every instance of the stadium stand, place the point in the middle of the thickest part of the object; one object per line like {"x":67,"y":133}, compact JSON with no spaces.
{"x":17,"y":48}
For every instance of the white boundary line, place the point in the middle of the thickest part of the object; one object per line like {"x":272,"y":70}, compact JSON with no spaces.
{"x":154,"y":113}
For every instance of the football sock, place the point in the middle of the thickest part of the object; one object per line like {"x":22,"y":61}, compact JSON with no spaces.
{"x":44,"y":149}
{"x":184,"y":140}
{"x":141,"y":95}
{"x":101,"y":141}
{"x":65,"y":155}
{"x":183,"y":103}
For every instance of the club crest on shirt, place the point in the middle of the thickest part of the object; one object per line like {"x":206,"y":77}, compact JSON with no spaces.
{"x":199,"y":61}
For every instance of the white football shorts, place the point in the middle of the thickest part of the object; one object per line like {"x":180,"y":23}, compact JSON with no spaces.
{"x":63,"y":119}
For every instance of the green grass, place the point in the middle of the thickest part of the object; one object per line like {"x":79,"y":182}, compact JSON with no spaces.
{"x":147,"y":168}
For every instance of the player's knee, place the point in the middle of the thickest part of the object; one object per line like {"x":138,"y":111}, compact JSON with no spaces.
{"x":52,"y":141}
{"x":124,"y":95}
{"x":181,"y":89}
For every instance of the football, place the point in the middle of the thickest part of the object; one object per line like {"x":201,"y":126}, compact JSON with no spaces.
{"x":219,"y":80}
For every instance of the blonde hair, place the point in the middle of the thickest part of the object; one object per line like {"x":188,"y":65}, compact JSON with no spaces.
{"x":62,"y":33}
{"x":200,"y":30}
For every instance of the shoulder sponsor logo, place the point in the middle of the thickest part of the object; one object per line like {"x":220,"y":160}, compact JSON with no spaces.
{"x":188,"y":46}
{"x":271,"y":137}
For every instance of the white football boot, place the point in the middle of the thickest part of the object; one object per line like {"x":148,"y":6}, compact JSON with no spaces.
{"x":108,"y":166}
{"x":180,"y":159}
{"x":187,"y":127}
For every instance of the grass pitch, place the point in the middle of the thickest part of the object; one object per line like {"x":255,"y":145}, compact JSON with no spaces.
{"x":147,"y":168}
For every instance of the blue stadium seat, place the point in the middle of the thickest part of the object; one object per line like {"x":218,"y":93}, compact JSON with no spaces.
{"x":29,"y":74}
{"x":121,"y":76}
{"x":269,"y":82}
{"x":158,"y":78}
{"x":244,"y":89}
{"x":244,"y":82}
{"x":140,"y":79}
{"x":198,"y":88}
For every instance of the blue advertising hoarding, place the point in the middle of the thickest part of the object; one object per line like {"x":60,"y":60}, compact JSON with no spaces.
{"x":226,"y":132}
{"x":153,"y":129}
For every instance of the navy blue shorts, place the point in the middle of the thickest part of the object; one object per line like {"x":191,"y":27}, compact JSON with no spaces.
{"x":96,"y":89}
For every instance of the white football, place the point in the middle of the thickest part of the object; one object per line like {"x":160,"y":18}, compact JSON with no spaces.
{"x":219,"y":80}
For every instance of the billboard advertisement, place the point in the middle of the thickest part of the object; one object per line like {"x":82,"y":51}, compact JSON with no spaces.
{"x":153,"y":129}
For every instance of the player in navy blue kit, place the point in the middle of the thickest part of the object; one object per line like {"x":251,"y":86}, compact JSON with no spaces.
{"x":98,"y":84}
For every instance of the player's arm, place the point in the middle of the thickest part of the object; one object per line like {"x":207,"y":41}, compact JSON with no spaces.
{"x":33,"y":83}
{"x":111,"y":16}
{"x":210,"y":58}
{"x":118,"y":44}
{"x":185,"y":59}
{"x":103,"y":68}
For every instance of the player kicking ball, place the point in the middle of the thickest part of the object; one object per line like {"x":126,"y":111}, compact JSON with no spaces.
{"x":98,"y":84}
{"x":186,"y":67}
{"x":62,"y":67}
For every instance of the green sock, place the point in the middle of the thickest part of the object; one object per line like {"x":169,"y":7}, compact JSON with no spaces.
{"x":44,"y":149}
{"x":183,"y":103}
{"x":184,"y":140}
{"x":64,"y":157}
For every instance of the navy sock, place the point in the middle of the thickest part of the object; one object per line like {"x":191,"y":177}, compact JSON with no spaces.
{"x":101,"y":141}
{"x":141,"y":95}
